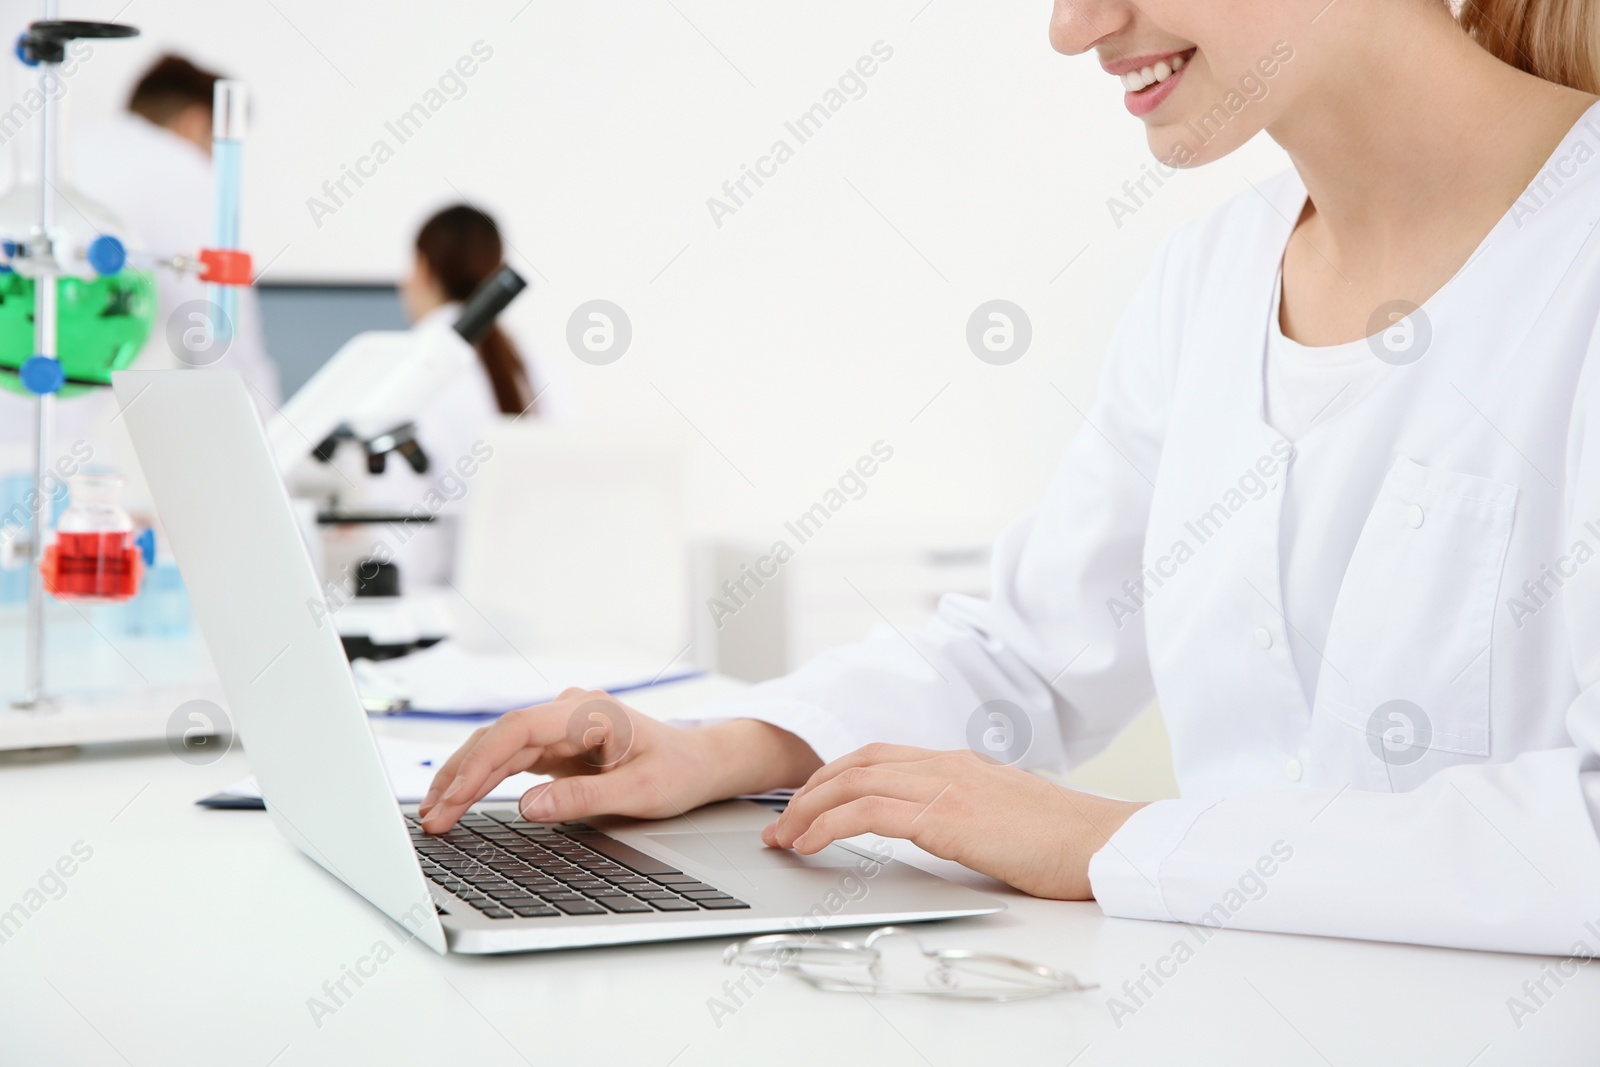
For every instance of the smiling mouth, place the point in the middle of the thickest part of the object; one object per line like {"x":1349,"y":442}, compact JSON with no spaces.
{"x":1147,"y":78}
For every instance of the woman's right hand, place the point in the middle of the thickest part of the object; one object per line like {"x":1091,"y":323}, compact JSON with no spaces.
{"x":608,"y":759}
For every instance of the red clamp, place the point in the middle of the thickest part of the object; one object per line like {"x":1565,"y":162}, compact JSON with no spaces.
{"x":225,"y":266}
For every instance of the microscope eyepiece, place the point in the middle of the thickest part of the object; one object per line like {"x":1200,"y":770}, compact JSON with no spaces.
{"x":487,"y":302}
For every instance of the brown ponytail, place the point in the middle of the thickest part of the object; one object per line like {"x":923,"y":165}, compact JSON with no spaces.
{"x":461,"y":246}
{"x":1558,"y":40}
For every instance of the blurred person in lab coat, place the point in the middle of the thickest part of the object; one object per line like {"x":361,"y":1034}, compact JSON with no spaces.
{"x":456,"y":250}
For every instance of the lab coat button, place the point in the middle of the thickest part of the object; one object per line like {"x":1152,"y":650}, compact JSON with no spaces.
{"x":1414,"y":516}
{"x":1292,"y":770}
{"x":1263,"y":638}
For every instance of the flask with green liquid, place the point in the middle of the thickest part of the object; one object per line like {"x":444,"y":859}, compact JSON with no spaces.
{"x":102,"y":325}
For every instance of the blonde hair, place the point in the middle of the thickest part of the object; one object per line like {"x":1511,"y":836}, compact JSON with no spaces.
{"x":1558,"y":40}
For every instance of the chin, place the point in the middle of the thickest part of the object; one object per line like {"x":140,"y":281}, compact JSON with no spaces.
{"x":1184,"y":145}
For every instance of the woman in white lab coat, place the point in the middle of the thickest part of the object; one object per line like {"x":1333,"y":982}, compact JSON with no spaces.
{"x":1337,"y":506}
{"x":456,"y":250}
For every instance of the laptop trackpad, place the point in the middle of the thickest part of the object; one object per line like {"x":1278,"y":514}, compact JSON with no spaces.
{"x":743,"y":850}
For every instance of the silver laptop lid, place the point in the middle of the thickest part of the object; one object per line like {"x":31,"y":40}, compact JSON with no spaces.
{"x":294,"y":703}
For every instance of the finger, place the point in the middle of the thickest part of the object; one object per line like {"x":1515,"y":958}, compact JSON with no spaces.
{"x":535,"y":736}
{"x":447,"y":772}
{"x":520,"y":761}
{"x":583,"y":796}
{"x":866,"y":756}
{"x":890,"y":781}
{"x":530,"y":728}
{"x":884,"y":816}
{"x":447,"y":783}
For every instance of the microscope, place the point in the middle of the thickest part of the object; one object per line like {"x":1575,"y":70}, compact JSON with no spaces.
{"x":362,"y":403}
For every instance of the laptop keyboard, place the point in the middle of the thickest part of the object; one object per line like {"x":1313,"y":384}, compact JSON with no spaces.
{"x":511,"y":869}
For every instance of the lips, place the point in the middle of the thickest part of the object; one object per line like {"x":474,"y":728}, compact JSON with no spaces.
{"x":1148,"y":80}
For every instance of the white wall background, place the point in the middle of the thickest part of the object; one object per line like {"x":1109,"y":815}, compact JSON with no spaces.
{"x":826,"y":313}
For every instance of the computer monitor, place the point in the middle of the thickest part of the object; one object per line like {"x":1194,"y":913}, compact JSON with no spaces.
{"x":305,"y":322}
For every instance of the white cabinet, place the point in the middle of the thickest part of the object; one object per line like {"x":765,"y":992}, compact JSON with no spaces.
{"x":760,"y":613}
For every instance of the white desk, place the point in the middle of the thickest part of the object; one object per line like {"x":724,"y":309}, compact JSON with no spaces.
{"x":196,"y":937}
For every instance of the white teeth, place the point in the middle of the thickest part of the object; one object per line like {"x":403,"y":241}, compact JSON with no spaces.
{"x":1137,"y":80}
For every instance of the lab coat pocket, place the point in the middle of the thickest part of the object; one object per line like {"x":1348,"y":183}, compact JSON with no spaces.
{"x":1408,"y":644}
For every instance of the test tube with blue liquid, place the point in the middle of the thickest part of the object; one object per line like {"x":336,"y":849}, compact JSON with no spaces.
{"x":228,"y":114}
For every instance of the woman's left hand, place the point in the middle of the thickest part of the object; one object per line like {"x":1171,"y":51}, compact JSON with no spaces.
{"x":995,"y":819}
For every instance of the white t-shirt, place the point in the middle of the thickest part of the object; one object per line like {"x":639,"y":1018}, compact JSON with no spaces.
{"x":1306,"y":388}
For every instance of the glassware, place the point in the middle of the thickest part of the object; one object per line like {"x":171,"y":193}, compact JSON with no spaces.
{"x":94,"y":556}
{"x":102,"y":322}
{"x":102,"y":325}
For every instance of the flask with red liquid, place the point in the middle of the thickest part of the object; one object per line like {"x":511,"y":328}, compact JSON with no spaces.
{"x":95,"y":556}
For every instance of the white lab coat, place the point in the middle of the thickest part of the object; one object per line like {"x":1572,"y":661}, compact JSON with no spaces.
{"x":1450,"y":520}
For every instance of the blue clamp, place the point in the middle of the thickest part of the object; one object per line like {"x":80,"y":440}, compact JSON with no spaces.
{"x":147,"y":546}
{"x":21,"y":49}
{"x":42,"y":375}
{"x":106,"y":255}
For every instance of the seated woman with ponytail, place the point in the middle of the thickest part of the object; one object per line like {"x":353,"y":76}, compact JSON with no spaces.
{"x":456,"y":251}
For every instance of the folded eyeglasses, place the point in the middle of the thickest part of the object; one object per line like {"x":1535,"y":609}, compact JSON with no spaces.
{"x":840,"y":965}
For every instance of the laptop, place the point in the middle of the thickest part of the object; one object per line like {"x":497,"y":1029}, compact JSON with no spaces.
{"x":495,"y":883}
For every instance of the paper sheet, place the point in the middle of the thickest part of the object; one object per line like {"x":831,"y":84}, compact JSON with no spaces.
{"x":448,"y":679}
